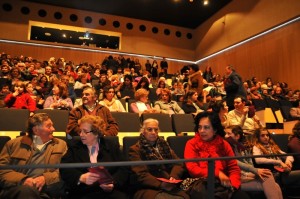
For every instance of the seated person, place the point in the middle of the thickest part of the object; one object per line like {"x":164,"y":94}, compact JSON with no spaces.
{"x":220,"y":107}
{"x":166,"y":105}
{"x":243,"y":116}
{"x":38,"y":146}
{"x":191,"y":105}
{"x":151,"y":147}
{"x":209,"y":143}
{"x":294,"y":145}
{"x":141,"y":104}
{"x":20,"y":99}
{"x":60,"y":98}
{"x":281,"y":166}
{"x":110,"y":102}
{"x":91,"y":107}
{"x":253,"y":179}
{"x":93,"y":148}
{"x":295,"y":111}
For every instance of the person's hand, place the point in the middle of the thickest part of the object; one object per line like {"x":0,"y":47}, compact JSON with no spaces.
{"x":285,"y":167}
{"x":29,"y":182}
{"x":204,"y":93}
{"x":16,"y":93}
{"x":289,"y":164}
{"x":39,"y":182}
{"x":225,"y":181}
{"x":107,"y":187}
{"x":245,"y":110}
{"x":89,"y":178}
{"x":264,"y":173}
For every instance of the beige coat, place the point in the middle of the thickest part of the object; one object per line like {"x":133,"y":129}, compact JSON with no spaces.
{"x":19,"y":151}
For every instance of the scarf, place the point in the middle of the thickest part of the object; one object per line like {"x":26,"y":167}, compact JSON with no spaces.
{"x":111,"y":105}
{"x":159,"y":151}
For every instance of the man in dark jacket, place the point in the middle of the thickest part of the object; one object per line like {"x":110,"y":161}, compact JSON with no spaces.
{"x":233,"y":86}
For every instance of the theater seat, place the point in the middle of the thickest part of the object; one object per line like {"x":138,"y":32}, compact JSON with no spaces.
{"x":183,"y":123}
{"x":177,"y":143}
{"x":3,"y":140}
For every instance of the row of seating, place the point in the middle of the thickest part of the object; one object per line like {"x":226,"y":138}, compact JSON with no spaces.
{"x":15,"y":120}
{"x":280,"y":108}
{"x":177,"y":143}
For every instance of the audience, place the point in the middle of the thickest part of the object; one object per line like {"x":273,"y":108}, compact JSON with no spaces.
{"x":244,"y":116}
{"x":166,"y":105}
{"x":281,"y":166}
{"x":209,"y":143}
{"x":253,"y":179}
{"x":37,"y":147}
{"x":141,"y":104}
{"x":20,"y":99}
{"x":91,"y":107}
{"x":191,"y":105}
{"x":110,"y":102}
{"x":59,"y":98}
{"x":233,"y":85}
{"x":294,"y":145}
{"x":92,"y":148}
{"x":149,"y":177}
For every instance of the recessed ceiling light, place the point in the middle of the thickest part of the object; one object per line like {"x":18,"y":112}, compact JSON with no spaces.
{"x":48,"y":34}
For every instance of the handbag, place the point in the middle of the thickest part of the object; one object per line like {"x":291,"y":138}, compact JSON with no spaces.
{"x":197,"y":188}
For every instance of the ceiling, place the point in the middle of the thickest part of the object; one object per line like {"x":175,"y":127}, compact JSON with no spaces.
{"x":181,"y":13}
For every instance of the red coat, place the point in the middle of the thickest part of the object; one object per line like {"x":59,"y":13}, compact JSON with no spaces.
{"x":23,"y":101}
{"x":218,"y":147}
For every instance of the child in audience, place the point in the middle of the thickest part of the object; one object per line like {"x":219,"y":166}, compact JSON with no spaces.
{"x":20,"y":99}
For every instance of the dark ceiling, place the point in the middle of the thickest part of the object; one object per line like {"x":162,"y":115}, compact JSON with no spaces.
{"x":181,"y":13}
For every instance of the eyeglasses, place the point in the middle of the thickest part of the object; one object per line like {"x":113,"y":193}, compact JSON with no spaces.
{"x":205,"y":127}
{"x":85,"y":132}
{"x":149,"y":129}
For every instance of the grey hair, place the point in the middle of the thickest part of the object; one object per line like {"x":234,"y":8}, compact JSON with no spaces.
{"x":147,"y":121}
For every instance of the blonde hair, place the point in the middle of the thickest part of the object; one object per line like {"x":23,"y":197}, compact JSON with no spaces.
{"x":140,"y":93}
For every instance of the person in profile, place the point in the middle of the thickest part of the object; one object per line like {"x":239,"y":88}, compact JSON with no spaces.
{"x":94,"y":182}
{"x":37,"y":147}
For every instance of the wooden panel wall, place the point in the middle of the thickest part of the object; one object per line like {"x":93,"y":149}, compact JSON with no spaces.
{"x":275,"y":55}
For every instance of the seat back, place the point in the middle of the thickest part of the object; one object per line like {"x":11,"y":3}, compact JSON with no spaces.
{"x":3,"y":140}
{"x":259,"y":104}
{"x":281,"y":140}
{"x":127,"y":122}
{"x":60,"y":118}
{"x":183,"y":123}
{"x":165,"y":123}
{"x":177,"y":143}
{"x":127,"y":143}
{"x":13,"y":119}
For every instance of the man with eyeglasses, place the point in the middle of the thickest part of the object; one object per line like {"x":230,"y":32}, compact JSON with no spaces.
{"x":243,"y":116}
{"x":155,"y":181}
{"x":90,"y":106}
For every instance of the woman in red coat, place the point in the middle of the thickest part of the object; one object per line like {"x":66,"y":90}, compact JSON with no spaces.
{"x":20,"y":99}
{"x":209,"y":143}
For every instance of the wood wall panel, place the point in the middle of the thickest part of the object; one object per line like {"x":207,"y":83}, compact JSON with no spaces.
{"x":275,"y":55}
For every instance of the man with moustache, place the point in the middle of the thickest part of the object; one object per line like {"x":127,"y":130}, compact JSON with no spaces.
{"x":90,"y":106}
